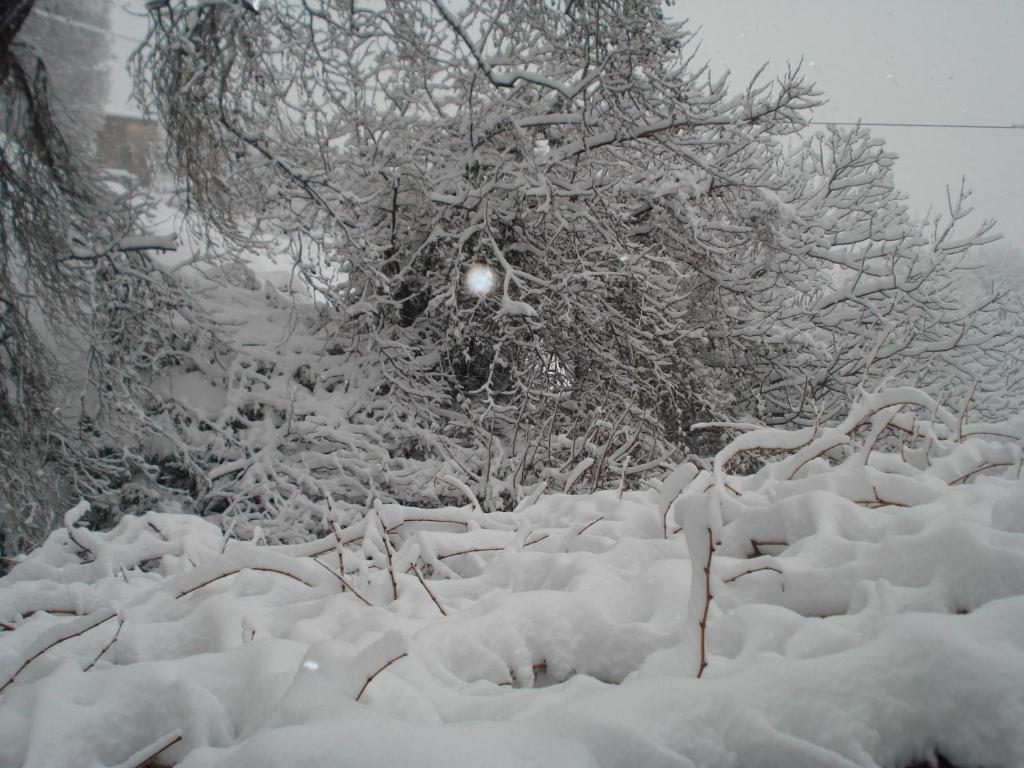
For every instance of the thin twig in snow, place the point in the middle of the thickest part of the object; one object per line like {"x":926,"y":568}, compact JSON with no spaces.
{"x":106,"y":647}
{"x":963,"y":412}
{"x":982,"y":468}
{"x":387,"y":554}
{"x":98,"y":619}
{"x":731,"y":579}
{"x":757,"y":544}
{"x":371,"y":677}
{"x":146,"y":755}
{"x":266,"y":569}
{"x":707,"y":607}
{"x":412,"y":567}
{"x":470,"y":551}
{"x":344,"y":582}
{"x":341,"y":552}
{"x":394,"y":528}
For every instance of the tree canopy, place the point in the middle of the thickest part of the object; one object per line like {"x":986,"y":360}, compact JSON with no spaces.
{"x":663,"y":251}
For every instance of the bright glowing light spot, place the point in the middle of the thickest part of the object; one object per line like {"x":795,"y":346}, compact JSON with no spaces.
{"x":310,"y":664}
{"x":479,"y":280}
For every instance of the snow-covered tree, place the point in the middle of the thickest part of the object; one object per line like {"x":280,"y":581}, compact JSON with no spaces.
{"x":853,"y":289}
{"x":73,"y":274}
{"x":658,"y":256}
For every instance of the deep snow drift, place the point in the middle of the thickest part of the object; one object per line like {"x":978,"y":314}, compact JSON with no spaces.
{"x":859,"y":601}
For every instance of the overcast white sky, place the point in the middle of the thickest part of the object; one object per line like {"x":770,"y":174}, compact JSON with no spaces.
{"x":943,"y":61}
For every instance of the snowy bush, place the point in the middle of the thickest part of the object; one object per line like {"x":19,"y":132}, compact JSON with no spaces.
{"x":857,"y":601}
{"x":659,"y":254}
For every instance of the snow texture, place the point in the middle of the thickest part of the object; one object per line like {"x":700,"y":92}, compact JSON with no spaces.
{"x":866,"y":609}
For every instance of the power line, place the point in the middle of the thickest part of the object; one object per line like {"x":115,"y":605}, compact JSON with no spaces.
{"x":968,"y":126}
{"x":982,"y":126}
{"x":1002,"y":195}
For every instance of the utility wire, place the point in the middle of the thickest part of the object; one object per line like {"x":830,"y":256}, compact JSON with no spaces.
{"x":1002,"y":195}
{"x":1011,"y":127}
{"x":970,"y":126}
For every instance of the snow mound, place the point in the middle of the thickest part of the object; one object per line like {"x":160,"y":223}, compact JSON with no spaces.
{"x":858,"y":601}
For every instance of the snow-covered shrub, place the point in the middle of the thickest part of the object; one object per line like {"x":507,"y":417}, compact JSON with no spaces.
{"x":285,"y":426}
{"x":868,"y":609}
{"x":659,"y":256}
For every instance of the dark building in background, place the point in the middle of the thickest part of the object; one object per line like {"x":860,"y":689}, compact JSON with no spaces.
{"x":126,"y":143}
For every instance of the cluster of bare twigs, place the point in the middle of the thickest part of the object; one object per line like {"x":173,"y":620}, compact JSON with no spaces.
{"x":293,"y":427}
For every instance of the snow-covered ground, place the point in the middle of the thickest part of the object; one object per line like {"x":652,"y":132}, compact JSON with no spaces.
{"x":866,"y":608}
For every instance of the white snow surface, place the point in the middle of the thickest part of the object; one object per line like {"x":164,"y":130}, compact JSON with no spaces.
{"x":868,"y":610}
